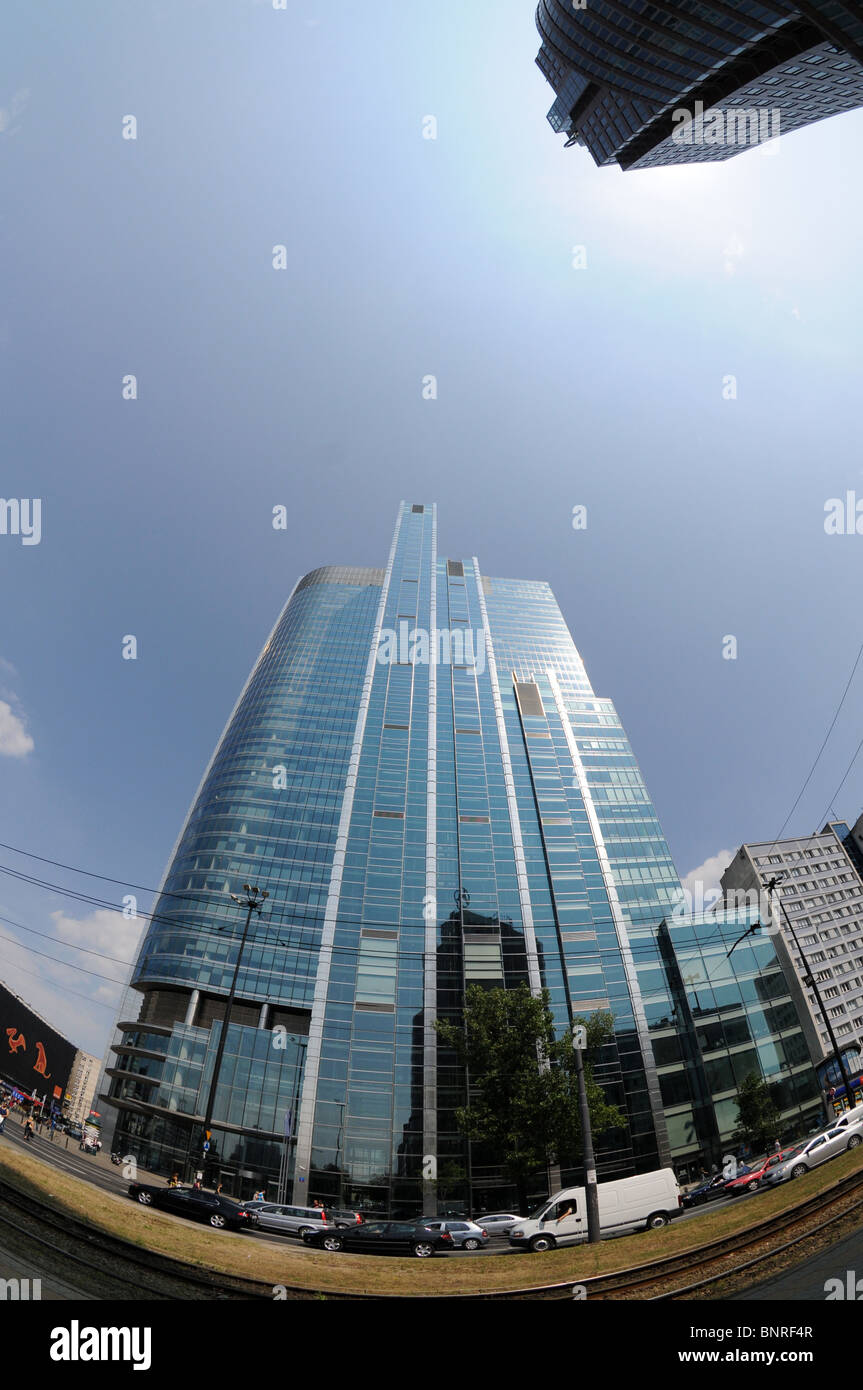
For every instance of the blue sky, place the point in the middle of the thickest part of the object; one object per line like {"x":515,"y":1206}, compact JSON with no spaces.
{"x":256,"y":387}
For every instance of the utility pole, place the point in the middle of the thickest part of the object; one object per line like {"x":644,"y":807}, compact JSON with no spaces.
{"x":253,"y":901}
{"x":810,"y":982}
{"x":579,"y":1043}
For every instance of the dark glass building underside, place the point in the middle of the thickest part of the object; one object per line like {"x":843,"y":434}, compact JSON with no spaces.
{"x":420,"y":826}
{"x":621,"y":68}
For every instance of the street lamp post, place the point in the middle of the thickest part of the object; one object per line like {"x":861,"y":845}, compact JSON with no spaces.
{"x":579,"y":1043}
{"x":810,"y":981}
{"x":253,"y":901}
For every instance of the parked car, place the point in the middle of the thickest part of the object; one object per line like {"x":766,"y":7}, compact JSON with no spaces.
{"x":758,"y":1173}
{"x":466,"y":1235}
{"x":343,"y":1216}
{"x":197,"y":1204}
{"x":286,"y":1220}
{"x":498,"y":1223}
{"x":383,"y":1238}
{"x":813,"y":1152}
{"x":706,"y":1191}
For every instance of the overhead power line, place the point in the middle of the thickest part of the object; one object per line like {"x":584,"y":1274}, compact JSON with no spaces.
{"x":823,"y":745}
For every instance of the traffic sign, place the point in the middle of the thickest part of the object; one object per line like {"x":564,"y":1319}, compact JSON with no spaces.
{"x":206,"y":1146}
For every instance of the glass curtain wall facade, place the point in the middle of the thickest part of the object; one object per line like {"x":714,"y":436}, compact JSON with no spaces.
{"x":621,"y":68}
{"x":267,"y":812}
{"x":420,"y":774}
{"x":717,"y":1018}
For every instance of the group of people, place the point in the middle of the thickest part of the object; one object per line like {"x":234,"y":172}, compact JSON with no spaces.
{"x":197,"y":1185}
{"x":6,"y":1107}
{"x":35,"y":1119}
{"x":259,"y":1196}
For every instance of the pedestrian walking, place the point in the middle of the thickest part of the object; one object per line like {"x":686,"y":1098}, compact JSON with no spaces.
{"x":28,"y":1129}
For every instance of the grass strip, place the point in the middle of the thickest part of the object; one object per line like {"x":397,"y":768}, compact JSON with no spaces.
{"x":318,"y":1271}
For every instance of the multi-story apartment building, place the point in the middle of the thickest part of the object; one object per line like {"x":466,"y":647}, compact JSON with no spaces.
{"x":81,"y":1087}
{"x":822,"y":893}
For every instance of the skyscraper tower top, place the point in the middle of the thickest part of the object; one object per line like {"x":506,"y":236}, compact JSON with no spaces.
{"x":634,"y":80}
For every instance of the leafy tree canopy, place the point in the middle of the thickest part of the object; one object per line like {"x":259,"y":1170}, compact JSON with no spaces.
{"x":524,"y":1094}
{"x":758,"y":1118}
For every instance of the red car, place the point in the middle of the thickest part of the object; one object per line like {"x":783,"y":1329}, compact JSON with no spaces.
{"x":757,"y":1175}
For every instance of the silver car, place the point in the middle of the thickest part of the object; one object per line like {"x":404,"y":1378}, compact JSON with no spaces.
{"x":813,"y":1152}
{"x":466,"y":1235}
{"x":287,"y":1221}
{"x":499,"y":1222}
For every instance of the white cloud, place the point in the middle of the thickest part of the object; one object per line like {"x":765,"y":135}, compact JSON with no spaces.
{"x":709,"y":873}
{"x":9,"y":113}
{"x":78,"y":1005}
{"x":15,"y":742}
{"x":733,"y":252}
{"x":104,"y":930}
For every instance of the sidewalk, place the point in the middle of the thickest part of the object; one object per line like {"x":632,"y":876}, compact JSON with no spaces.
{"x":66,"y":1144}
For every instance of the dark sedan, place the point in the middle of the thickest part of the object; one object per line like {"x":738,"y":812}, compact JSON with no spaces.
{"x":383,"y":1238}
{"x":197,"y":1204}
{"x":707,"y":1192}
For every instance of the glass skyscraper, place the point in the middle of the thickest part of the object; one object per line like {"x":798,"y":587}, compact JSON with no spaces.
{"x":622,"y":68}
{"x":420,"y":774}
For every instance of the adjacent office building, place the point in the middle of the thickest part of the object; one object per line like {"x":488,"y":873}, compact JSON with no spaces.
{"x":822,"y":893}
{"x":643,"y":85}
{"x":721,"y":1008}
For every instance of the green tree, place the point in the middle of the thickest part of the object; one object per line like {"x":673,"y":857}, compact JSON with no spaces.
{"x":524,"y":1098}
{"x":758,"y":1118}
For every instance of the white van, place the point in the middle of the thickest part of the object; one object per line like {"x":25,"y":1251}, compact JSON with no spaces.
{"x":647,"y":1201}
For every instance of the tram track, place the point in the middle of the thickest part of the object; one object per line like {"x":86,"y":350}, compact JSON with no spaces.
{"x":116,"y":1267}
